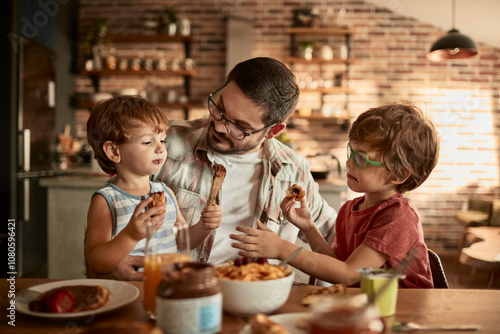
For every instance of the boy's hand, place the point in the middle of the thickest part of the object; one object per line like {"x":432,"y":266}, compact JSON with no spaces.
{"x":300,"y":217}
{"x":211,"y":217}
{"x":137,"y":226}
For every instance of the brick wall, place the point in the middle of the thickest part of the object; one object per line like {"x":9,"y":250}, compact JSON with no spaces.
{"x":461,"y":98}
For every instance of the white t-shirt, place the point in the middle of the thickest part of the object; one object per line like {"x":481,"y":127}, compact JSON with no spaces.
{"x":239,"y":194}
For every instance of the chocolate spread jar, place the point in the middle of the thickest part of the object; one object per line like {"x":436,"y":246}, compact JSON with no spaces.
{"x":188,"y":299}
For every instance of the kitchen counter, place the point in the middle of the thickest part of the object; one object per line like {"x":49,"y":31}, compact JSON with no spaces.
{"x":333,"y":190}
{"x":68,"y":199}
{"x":75,"y":181}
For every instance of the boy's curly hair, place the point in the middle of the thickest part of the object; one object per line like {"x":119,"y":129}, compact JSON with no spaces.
{"x":408,"y":142}
{"x":110,"y":120}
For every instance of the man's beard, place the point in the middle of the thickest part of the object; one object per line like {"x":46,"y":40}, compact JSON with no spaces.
{"x":218,"y":142}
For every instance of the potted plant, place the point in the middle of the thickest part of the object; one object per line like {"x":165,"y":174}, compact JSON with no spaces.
{"x":170,"y":18}
{"x":97,"y":42}
{"x":306,"y":49}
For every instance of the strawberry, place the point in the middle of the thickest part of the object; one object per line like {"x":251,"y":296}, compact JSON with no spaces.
{"x":61,"y":301}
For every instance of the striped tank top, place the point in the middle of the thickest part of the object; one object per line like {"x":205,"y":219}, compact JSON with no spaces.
{"x":122,"y":207}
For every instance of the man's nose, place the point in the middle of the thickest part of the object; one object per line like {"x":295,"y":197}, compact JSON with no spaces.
{"x":220,"y":125}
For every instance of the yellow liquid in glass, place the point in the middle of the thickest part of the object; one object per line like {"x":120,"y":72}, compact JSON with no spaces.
{"x":152,"y":276}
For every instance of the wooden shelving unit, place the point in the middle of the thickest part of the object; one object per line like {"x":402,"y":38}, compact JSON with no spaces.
{"x":96,"y":75}
{"x":343,"y":64}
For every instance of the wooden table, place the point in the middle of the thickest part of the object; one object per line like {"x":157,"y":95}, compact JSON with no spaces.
{"x":425,"y":306}
{"x":484,"y":250}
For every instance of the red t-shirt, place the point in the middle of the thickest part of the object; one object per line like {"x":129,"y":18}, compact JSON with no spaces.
{"x":392,"y":227}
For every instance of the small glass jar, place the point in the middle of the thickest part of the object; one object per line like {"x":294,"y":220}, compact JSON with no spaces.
{"x":189,"y":299}
{"x":345,"y":315}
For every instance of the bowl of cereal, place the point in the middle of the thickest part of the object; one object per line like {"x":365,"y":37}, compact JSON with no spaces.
{"x":251,"y":286}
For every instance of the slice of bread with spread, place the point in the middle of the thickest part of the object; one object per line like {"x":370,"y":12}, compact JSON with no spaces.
{"x":85,"y":297}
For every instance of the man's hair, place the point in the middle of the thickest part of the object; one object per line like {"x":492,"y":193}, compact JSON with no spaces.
{"x":111,"y":119}
{"x":407,"y":141}
{"x":268,"y":83}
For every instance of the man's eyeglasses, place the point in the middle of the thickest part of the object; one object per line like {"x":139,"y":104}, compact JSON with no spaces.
{"x":233,"y":129}
{"x":360,"y":158}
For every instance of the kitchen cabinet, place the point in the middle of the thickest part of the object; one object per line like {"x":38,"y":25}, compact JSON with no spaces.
{"x":67,"y":220}
{"x":324,"y":74}
{"x":181,"y":67}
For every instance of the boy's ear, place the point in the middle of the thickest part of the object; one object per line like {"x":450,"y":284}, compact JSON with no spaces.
{"x":401,"y":180}
{"x":111,"y":150}
{"x":274,"y":130}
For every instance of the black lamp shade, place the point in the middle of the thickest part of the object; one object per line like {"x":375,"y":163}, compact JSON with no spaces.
{"x":453,"y":45}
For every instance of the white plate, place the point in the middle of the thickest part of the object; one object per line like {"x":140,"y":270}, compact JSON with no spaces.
{"x":285,"y":319}
{"x":122,"y":293}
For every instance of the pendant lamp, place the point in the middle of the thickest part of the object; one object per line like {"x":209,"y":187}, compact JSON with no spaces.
{"x":453,"y":45}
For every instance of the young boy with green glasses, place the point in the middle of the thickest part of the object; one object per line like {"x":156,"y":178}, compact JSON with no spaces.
{"x":392,"y":149}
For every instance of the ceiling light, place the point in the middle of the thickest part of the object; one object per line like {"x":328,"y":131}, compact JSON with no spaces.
{"x":453,"y":45}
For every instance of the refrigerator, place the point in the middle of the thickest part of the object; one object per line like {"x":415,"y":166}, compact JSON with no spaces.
{"x":35,"y":146}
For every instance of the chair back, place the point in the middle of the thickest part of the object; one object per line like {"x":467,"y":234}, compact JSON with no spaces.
{"x":438,"y":275}
{"x":482,"y":204}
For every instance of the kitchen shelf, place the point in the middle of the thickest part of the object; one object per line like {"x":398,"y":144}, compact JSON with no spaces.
{"x":319,"y":61}
{"x":187,"y":75}
{"x":107,"y":72}
{"x":324,"y":66}
{"x":318,"y":31}
{"x":138,"y":38}
{"x":189,"y":105}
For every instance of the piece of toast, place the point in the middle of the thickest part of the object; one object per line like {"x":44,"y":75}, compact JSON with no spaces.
{"x":134,"y":327}
{"x":261,"y":324}
{"x":159,"y":199}
{"x":219,"y":175}
{"x":89,"y":297}
{"x":315,"y":296}
{"x":295,"y":191}
{"x":86,"y":297}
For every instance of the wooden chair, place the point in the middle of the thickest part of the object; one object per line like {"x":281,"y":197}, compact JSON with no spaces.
{"x":438,"y":275}
{"x":479,"y":213}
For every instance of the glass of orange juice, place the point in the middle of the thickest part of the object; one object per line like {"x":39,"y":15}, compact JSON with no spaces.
{"x":156,"y":256}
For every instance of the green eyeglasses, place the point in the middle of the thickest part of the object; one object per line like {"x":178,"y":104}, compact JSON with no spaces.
{"x":360,"y":158}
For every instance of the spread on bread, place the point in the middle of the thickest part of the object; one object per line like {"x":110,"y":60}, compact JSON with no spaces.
{"x":76,"y":298}
{"x":219,"y":175}
{"x":295,"y":191}
{"x":315,"y":296}
{"x":159,"y":199}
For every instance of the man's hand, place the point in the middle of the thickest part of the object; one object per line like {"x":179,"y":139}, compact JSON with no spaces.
{"x":258,"y":242}
{"x":125,"y":271}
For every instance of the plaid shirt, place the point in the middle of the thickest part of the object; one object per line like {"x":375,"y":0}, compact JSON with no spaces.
{"x":188,"y":172}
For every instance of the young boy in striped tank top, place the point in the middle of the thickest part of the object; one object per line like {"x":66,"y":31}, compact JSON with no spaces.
{"x":127,"y":134}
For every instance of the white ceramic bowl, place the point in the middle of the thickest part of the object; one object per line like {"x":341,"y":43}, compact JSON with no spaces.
{"x":244,"y":298}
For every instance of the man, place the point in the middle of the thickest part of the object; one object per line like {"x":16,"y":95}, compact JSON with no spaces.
{"x":246,"y":113}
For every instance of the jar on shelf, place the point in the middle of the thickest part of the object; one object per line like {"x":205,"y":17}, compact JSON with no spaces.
{"x":344,"y":51}
{"x":185,"y":27}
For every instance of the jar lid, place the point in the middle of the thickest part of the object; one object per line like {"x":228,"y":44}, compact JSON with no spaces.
{"x":187,"y":272}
